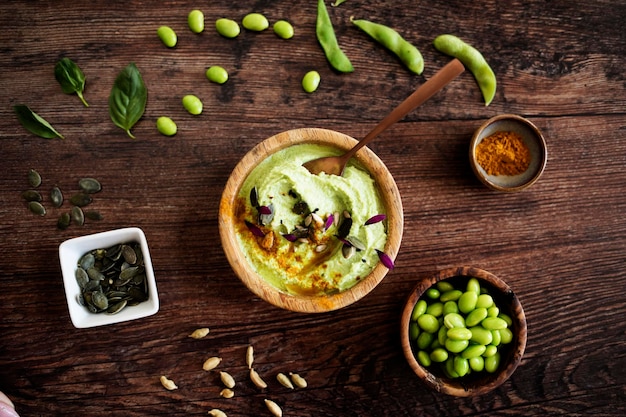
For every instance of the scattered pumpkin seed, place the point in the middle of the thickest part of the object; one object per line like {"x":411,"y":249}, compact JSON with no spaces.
{"x":211,"y":363}
{"x":32,"y":195}
{"x":274,"y":408}
{"x":199,"y":333}
{"x":117,"y":307}
{"x":78,"y":217}
{"x":297,"y":380}
{"x":227,"y":393}
{"x":89,"y":185}
{"x":81,"y":199}
{"x":227,"y":379}
{"x":37,"y":208}
{"x":168,"y":383}
{"x":34,"y":179}
{"x":64,"y":221}
{"x":256,"y":379}
{"x":56,"y":196}
{"x":93,"y":215}
{"x":216,"y":412}
{"x":249,"y":356}
{"x":284,"y":380}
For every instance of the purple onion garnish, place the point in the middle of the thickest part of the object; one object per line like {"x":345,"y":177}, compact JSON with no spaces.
{"x":375,"y":219}
{"x":290,"y":237}
{"x":329,"y":221}
{"x":256,"y":230}
{"x":265,"y":210}
{"x":385,"y":259}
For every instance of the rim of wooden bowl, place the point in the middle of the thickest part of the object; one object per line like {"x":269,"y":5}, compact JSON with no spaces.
{"x":259,"y":286}
{"x":512,"y":355}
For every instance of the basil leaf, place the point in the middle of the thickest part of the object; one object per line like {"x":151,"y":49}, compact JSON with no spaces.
{"x":35,"y":123}
{"x":127,"y":101}
{"x":71,"y":78}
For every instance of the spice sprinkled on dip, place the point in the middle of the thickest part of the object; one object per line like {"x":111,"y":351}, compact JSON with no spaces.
{"x":307,"y":234}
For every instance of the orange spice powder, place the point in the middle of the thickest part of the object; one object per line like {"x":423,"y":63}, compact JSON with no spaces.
{"x":503,"y":153}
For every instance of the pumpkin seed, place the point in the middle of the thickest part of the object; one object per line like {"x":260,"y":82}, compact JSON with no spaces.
{"x":284,"y":380}
{"x":93,"y":215}
{"x":274,"y":408}
{"x":256,"y":379}
{"x":249,"y":356}
{"x":200,"y":333}
{"x":117,"y":307}
{"x":56,"y":196}
{"x":99,"y":300}
{"x":211,"y":363}
{"x":34,"y":179}
{"x":81,"y":277}
{"x":227,"y":379}
{"x":81,"y":199}
{"x":168,"y":383}
{"x":78,"y":217}
{"x":32,"y":195}
{"x":89,"y":185}
{"x":37,"y":208}
{"x":64,"y":221}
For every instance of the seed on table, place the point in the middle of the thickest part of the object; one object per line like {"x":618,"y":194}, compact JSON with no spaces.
{"x":37,"y":208}
{"x":217,"y":74}
{"x":228,"y":28}
{"x":32,"y":195}
{"x":249,"y":356}
{"x":166,"y":126}
{"x":81,"y":199}
{"x":274,"y":408}
{"x":34,"y":179}
{"x":168,"y":383}
{"x":192,"y":104}
{"x":167,"y":36}
{"x":56,"y":196}
{"x":256,"y":379}
{"x":211,"y":363}
{"x":284,"y":380}
{"x":216,"y":412}
{"x":227,"y":393}
{"x":297,"y":380}
{"x":255,"y":22}
{"x":78,"y":217}
{"x":93,"y":215}
{"x":199,"y":333}
{"x":227,"y":379}
{"x":195,"y":20}
{"x":311,"y":81}
{"x":64,"y":221}
{"x":283,"y":29}
{"x":89,"y":185}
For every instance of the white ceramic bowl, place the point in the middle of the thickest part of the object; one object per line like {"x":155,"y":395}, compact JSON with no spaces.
{"x":72,"y":250}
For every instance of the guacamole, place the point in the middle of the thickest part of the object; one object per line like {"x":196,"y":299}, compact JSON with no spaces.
{"x":307,"y":234}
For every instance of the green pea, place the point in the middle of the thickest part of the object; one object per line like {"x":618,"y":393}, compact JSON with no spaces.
{"x":167,"y":36}
{"x":484,"y":301}
{"x":444,"y":286}
{"x":494,"y":323}
{"x":424,"y":340}
{"x":217,"y":74}
{"x":506,"y":336}
{"x":473,"y":351}
{"x":228,"y":28}
{"x":452,"y":295}
{"x":419,"y":309}
{"x":192,"y":104}
{"x":436,"y":309}
{"x":490,"y":350}
{"x":432,"y":293}
{"x":311,"y":81}
{"x":477,"y":364}
{"x":283,"y":29}
{"x":423,"y":358}
{"x":195,"y":20}
{"x":473,"y":60}
{"x":461,"y":366}
{"x":325,"y":33}
{"x":456,"y":346}
{"x":475,"y":317}
{"x":428,"y":323}
{"x":452,"y":320}
{"x":493,"y":311}
{"x":492,"y":363}
{"x":497,"y":337}
{"x":166,"y":126}
{"x":255,"y":22}
{"x":481,"y":335}
{"x":473,"y":285}
{"x":439,"y":355}
{"x":467,"y":301}
{"x":459,"y":333}
{"x":450,"y":307}
{"x":390,"y":39}
{"x":414,"y":330}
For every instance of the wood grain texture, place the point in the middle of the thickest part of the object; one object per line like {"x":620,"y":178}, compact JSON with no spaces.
{"x":560,"y":245}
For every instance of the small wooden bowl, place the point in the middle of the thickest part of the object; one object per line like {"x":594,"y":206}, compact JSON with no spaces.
{"x":473,"y":384}
{"x":532,"y":137}
{"x":227,"y":219}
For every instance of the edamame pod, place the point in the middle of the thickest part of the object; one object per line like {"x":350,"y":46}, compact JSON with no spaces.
{"x":325,"y":33}
{"x":394,"y":42}
{"x":473,"y":60}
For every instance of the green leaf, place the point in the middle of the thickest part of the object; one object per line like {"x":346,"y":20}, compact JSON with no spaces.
{"x":71,"y":78}
{"x":127,"y":101}
{"x":35,"y":123}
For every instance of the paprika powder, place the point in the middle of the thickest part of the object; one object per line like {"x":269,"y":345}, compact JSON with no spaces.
{"x":503,"y":153}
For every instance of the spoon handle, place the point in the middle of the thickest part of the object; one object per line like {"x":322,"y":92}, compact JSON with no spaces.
{"x":441,"y":78}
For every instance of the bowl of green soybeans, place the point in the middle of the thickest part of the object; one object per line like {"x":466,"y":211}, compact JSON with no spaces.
{"x":463,"y":331}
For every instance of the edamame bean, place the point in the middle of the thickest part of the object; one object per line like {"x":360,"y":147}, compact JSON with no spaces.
{"x":461,"y":366}
{"x":192,"y":104}
{"x":428,"y":323}
{"x":283,"y":29}
{"x":506,"y":336}
{"x":449,"y":368}
{"x":473,"y":285}
{"x":475,"y":317}
{"x":477,"y":364}
{"x":459,"y":333}
{"x":432,"y":293}
{"x":452,"y":295}
{"x":255,"y":22}
{"x":481,"y":335}
{"x":450,"y":307}
{"x":311,"y":81}
{"x":390,"y":39}
{"x":506,"y":318}
{"x":419,"y":309}
{"x":492,"y":363}
{"x":436,"y":309}
{"x":456,"y":346}
{"x":493,"y":311}
{"x":166,"y":126}
{"x":494,"y":323}
{"x":326,"y":37}
{"x":490,"y":350}
{"x":473,"y":60}
{"x":424,"y":340}
{"x":484,"y":301}
{"x":228,"y":28}
{"x":167,"y":36}
{"x":444,"y":286}
{"x":442,"y":335}
{"x":497,"y":337}
{"x":195,"y":20}
{"x":439,"y":355}
{"x":467,"y":301}
{"x":452,"y":320}
{"x":217,"y":74}
{"x":473,"y":351}
{"x":423,"y":358}
{"x":414,"y":330}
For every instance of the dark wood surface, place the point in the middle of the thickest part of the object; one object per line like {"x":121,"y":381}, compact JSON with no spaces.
{"x":561,"y":245}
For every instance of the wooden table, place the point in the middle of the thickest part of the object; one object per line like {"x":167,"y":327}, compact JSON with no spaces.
{"x":561,"y":245}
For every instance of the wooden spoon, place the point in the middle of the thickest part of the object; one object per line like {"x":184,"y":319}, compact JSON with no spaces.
{"x":336,"y":164}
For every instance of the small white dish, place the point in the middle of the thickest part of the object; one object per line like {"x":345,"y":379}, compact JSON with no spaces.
{"x":72,"y":250}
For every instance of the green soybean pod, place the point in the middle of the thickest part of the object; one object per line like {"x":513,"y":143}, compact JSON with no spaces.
{"x":439,"y":355}
{"x":228,"y":28}
{"x":467,"y":301}
{"x":444,"y":286}
{"x":424,"y":340}
{"x":450,"y":307}
{"x":451,"y":295}
{"x":167,"y":36}
{"x":473,"y":285}
{"x":192,"y":104}
{"x":473,"y":351}
{"x":217,"y":74}
{"x":394,"y":42}
{"x":414,"y":330}
{"x":481,"y":335}
{"x":459,"y":333}
{"x":473,"y":60}
{"x":475,"y":317}
{"x":325,"y":33}
{"x":477,"y":364}
{"x":423,"y":358}
{"x":436,"y":309}
{"x":310,"y":83}
{"x":461,"y":365}
{"x":255,"y":22}
{"x":166,"y":126}
{"x":419,"y":309}
{"x":492,"y":363}
{"x":484,"y":301}
{"x":195,"y":20}
{"x":428,"y":323}
{"x":283,"y":29}
{"x":452,"y":320}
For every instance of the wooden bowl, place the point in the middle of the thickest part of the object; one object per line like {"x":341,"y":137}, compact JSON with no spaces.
{"x":475,"y":383}
{"x":228,"y":219}
{"x":532,"y":138}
